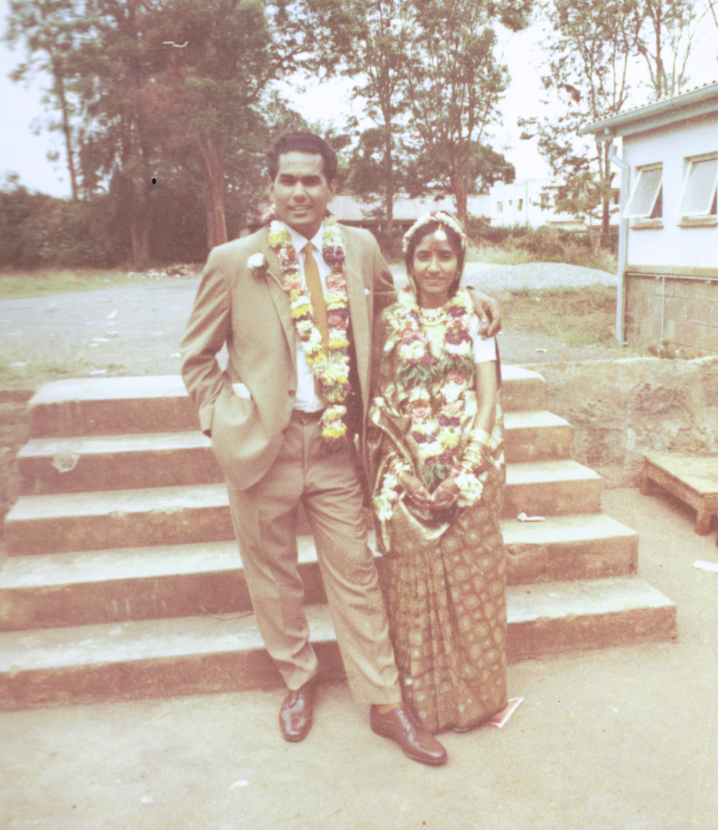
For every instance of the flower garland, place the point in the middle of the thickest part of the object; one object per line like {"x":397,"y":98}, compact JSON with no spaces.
{"x":330,"y":367}
{"x":445,"y":378}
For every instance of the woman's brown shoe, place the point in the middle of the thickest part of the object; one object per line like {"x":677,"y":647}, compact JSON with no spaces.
{"x":417,"y":743}
{"x":295,"y":714}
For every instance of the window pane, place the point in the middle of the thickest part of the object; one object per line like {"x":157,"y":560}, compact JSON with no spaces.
{"x":699,"y":187}
{"x":645,"y":192}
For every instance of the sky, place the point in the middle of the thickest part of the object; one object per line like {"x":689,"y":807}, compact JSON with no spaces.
{"x":24,"y":153}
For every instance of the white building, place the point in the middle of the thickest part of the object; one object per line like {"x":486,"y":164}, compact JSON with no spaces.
{"x":533,"y":203}
{"x":668,"y":247}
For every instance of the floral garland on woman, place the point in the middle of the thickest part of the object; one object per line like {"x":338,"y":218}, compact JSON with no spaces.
{"x":447,"y":378}
{"x":330,"y":367}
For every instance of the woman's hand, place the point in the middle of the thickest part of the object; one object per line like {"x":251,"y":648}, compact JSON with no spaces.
{"x":416,"y":491}
{"x":445,"y":494}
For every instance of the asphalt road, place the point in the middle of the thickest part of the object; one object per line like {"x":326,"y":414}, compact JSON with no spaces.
{"x":136,"y":329}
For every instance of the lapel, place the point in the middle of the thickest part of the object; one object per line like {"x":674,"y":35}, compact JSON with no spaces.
{"x":279,"y":297}
{"x":358,"y":313}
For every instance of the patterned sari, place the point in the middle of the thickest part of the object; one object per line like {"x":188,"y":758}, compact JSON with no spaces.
{"x":442,"y":573}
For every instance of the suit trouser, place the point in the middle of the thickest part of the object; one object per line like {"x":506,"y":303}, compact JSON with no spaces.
{"x":265,"y":519}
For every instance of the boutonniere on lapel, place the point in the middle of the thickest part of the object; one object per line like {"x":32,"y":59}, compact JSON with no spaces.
{"x":330,"y":363}
{"x":258,"y":265}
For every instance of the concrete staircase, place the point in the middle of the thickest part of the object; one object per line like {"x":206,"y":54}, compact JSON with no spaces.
{"x":123,"y":581}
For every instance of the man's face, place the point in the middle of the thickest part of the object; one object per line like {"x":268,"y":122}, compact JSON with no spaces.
{"x":301,"y":192}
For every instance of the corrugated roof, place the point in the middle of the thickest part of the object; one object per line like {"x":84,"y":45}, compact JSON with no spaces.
{"x":671,"y":108}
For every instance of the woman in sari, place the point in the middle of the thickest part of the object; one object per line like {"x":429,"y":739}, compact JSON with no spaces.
{"x":436,"y":453}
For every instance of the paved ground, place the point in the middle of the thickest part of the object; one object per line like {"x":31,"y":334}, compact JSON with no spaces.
{"x":136,"y":329}
{"x":623,"y":739}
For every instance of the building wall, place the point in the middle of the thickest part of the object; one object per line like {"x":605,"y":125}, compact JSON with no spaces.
{"x":665,"y":243}
{"x":672,"y":270}
{"x":672,"y":310}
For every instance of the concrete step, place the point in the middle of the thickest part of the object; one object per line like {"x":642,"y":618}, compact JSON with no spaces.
{"x":200,"y":513}
{"x":86,"y":588}
{"x":167,"y":459}
{"x":118,"y":518}
{"x":551,"y":488}
{"x":117,"y":462}
{"x":195,"y":655}
{"x":118,"y":406}
{"x":536,"y":435}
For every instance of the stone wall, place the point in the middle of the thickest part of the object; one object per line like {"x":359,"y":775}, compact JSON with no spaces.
{"x":688,"y":307}
{"x":14,"y":432}
{"x":621,"y":408}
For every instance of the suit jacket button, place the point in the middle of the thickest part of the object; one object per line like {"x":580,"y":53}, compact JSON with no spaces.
{"x":292,"y":393}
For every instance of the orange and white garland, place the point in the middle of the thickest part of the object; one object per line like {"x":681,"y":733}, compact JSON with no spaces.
{"x":330,"y":367}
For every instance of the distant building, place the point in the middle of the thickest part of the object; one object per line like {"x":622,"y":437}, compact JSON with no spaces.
{"x":352,"y":211}
{"x":533,"y":203}
{"x":668,"y":246}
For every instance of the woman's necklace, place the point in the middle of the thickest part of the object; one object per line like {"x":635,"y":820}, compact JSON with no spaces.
{"x":427,"y":379}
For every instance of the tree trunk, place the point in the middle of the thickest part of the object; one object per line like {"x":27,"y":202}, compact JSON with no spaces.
{"x":66,"y":129}
{"x":212,"y":150}
{"x":461,"y":194}
{"x":389,"y":190}
{"x":140,"y":242}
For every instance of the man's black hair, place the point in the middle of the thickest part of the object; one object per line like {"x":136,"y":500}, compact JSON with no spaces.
{"x":301,"y":142}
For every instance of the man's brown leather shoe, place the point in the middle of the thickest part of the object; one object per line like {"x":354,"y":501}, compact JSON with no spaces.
{"x":295,"y":715}
{"x":401,"y":726}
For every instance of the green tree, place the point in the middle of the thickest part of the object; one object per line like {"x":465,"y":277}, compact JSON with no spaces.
{"x":212,"y":85}
{"x":666,"y":33}
{"x":49,"y":30}
{"x":591,"y":50}
{"x":367,"y":41}
{"x":455,"y":84}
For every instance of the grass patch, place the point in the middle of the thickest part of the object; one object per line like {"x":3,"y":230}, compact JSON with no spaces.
{"x":511,"y":253}
{"x":25,"y":367}
{"x":47,"y":281}
{"x":577,"y":316}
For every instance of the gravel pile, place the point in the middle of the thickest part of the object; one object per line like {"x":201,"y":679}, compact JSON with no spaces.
{"x":537,"y":275}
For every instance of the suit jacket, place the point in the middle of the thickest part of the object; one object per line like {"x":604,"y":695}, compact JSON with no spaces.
{"x":251,"y":315}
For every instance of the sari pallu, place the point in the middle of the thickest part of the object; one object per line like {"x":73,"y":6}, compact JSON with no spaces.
{"x":442,"y":573}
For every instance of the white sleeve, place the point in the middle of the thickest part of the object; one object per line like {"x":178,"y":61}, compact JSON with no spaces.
{"x":484,"y":350}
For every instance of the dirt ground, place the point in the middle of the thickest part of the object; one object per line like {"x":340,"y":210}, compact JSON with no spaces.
{"x":622,"y":739}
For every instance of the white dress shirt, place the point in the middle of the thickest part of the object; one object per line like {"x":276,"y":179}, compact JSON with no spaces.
{"x":307,"y":399}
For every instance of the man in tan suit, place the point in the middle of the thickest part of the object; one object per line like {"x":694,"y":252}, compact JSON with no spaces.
{"x":274,"y":433}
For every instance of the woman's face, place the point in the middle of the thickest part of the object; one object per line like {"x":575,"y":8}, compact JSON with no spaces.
{"x":435,"y":268}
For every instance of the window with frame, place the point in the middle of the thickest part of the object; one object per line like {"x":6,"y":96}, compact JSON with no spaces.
{"x":646,"y":199}
{"x":544,"y":201}
{"x":698,"y":198}
{"x":520,"y":204}
{"x":500,"y":207}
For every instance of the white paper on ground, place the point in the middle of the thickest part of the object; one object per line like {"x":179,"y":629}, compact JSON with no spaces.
{"x":706,"y":566}
{"x":501,"y":718}
{"x":522,"y":517}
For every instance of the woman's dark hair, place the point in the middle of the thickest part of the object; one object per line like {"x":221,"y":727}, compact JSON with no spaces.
{"x":302,"y":143}
{"x":452,"y":238}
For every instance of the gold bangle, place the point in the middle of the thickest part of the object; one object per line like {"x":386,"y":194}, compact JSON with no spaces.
{"x":481,"y":436}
